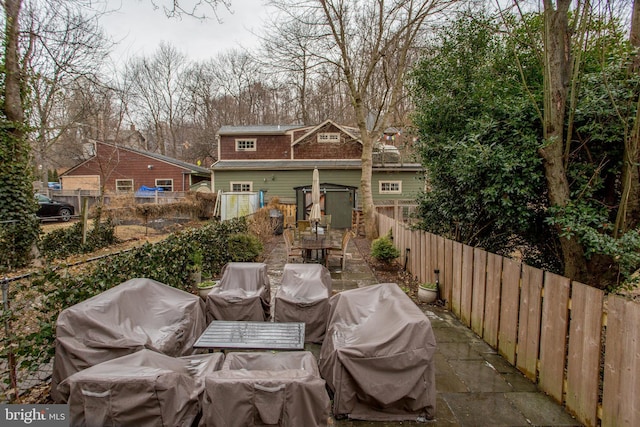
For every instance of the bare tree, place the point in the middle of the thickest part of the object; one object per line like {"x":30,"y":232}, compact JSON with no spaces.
{"x":371,"y":44}
{"x":65,"y":47}
{"x":159,"y":90}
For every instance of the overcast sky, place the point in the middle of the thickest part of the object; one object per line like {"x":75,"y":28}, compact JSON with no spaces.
{"x":140,"y":28}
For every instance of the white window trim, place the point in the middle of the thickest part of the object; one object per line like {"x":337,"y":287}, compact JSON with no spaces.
{"x":241,"y":183}
{"x":165,"y":179}
{"x":253,"y":140}
{"x":124,"y":180}
{"x":328,"y":137}
{"x":398,"y":191}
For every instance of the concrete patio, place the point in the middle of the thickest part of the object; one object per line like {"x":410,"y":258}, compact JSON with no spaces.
{"x":475,"y":386}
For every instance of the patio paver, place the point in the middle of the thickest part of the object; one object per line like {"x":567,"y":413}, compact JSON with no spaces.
{"x":475,"y":386}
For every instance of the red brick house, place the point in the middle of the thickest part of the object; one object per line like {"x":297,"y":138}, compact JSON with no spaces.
{"x":114,"y":168}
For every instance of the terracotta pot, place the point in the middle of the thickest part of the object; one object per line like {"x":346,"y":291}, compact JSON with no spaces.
{"x":427,"y":295}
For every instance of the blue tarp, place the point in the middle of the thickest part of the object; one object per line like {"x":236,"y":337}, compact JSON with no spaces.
{"x":145,"y":191}
{"x":154,"y":189}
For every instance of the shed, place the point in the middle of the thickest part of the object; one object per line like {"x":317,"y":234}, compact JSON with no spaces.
{"x":335,"y":200}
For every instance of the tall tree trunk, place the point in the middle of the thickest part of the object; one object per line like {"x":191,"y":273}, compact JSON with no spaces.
{"x":556,"y":82}
{"x":13,"y":106}
{"x":629,"y":211}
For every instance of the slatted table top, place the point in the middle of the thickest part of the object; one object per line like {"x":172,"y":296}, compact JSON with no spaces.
{"x":252,"y":335}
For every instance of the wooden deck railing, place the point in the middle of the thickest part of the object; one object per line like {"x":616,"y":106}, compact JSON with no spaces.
{"x":577,"y":344}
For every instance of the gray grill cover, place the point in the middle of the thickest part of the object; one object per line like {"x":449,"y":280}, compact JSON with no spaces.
{"x":303,"y":296}
{"x":256,"y":389}
{"x":137,"y":314}
{"x":244,"y":293}
{"x":377,"y":356}
{"x":145,"y":388}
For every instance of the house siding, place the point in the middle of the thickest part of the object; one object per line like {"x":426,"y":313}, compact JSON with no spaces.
{"x":268,"y":147}
{"x":281,"y":183}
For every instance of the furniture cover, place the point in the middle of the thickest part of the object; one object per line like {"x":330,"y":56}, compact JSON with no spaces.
{"x":378,"y":356}
{"x":137,"y":314}
{"x":303,"y":296}
{"x":145,"y":388}
{"x":265,"y":388}
{"x":244,"y":293}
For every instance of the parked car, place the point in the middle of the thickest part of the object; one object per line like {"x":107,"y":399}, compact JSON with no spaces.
{"x":53,"y":209}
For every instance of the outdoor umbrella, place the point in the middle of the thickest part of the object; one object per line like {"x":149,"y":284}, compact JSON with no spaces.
{"x":314,"y":215}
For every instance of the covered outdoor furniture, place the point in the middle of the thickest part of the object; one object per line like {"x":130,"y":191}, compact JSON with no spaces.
{"x":145,"y":388}
{"x":265,"y":388}
{"x":137,"y":314}
{"x":303,"y":296}
{"x":244,"y":293}
{"x":378,"y":356}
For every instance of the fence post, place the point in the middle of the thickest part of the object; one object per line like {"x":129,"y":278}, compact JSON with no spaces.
{"x":11,"y":360}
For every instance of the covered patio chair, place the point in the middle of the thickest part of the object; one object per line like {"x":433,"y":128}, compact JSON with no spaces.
{"x":378,"y":356}
{"x":145,"y":388}
{"x":137,"y":314}
{"x":303,"y":296}
{"x":244,"y":293}
{"x":265,"y":388}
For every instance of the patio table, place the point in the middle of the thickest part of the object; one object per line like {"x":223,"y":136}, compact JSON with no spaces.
{"x":319,"y":244}
{"x":227,"y":334}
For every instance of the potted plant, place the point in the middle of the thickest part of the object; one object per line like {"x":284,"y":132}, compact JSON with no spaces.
{"x":428,"y":292}
{"x":205,"y":287}
{"x":195,"y":267}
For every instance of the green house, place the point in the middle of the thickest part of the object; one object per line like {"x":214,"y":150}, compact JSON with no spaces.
{"x":278,"y":161}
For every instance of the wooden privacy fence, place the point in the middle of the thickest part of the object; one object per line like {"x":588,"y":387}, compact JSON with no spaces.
{"x":580,"y":346}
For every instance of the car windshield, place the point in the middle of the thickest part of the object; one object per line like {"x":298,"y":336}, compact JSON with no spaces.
{"x":42,"y":198}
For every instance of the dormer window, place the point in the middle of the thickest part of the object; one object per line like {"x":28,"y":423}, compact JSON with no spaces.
{"x":245,"y":144}
{"x":328,"y":137}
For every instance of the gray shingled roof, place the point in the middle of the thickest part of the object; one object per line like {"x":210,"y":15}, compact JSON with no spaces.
{"x":305,"y":165}
{"x":180,"y":163}
{"x":257,"y":129}
{"x":286,"y":164}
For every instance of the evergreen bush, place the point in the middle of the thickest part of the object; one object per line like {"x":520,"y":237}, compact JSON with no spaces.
{"x":383,"y":250}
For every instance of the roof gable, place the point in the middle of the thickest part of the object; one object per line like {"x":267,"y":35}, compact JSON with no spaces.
{"x":348,"y":131}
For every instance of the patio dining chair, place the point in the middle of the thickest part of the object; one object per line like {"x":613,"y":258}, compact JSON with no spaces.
{"x":340,"y":252}
{"x":304,"y":226}
{"x":293,"y":251}
{"x":325,"y":222}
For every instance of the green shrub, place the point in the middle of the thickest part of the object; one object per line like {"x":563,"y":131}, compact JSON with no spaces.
{"x":244,"y":247}
{"x":383,"y":250}
{"x":68,"y":241}
{"x":167,"y":261}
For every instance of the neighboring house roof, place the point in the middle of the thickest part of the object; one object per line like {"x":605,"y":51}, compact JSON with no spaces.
{"x":257,"y":129}
{"x":349,"y":131}
{"x":179,"y":163}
